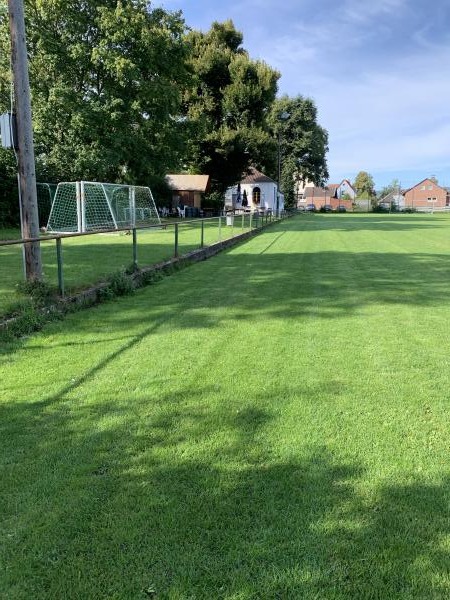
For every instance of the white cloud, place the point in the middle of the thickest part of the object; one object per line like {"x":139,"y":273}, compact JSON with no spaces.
{"x":386,"y":114}
{"x":361,"y":11}
{"x":396,"y":119}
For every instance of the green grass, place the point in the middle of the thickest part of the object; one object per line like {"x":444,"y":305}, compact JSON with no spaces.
{"x":93,"y":258}
{"x":271,"y":423}
{"x":9,"y":233}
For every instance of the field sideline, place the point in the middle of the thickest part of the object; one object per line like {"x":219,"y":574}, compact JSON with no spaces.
{"x":93,"y":258}
{"x":271,"y":423}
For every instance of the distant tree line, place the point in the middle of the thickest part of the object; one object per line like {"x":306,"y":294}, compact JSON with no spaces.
{"x":125,"y":92}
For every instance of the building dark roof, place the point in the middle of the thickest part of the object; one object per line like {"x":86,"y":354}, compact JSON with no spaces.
{"x":255,"y":176}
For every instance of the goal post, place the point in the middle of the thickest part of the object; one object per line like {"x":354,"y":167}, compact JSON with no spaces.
{"x":45,"y":195}
{"x":91,"y":205}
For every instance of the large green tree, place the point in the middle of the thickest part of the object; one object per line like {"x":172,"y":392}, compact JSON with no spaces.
{"x":106,"y":78}
{"x":303,"y":143}
{"x":226,"y":105}
{"x":364,"y":185}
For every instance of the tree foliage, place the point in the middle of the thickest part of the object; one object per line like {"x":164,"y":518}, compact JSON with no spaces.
{"x":394,"y":186}
{"x":9,"y":205}
{"x":303,"y":143}
{"x":121,"y":92}
{"x":226,"y":104}
{"x":105,"y":80}
{"x":364,"y":185}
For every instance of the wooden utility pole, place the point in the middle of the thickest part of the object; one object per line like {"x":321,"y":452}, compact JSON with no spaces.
{"x":27,"y":175}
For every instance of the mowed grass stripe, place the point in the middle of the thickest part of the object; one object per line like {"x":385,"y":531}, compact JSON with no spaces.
{"x":272,"y":423}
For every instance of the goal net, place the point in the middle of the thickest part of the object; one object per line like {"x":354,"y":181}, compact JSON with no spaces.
{"x":88,"y":206}
{"x":45,"y":195}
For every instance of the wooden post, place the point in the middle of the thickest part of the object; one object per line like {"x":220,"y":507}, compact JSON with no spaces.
{"x":27,"y":174}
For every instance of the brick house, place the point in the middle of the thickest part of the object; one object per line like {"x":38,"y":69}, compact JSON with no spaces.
{"x":427,"y":195}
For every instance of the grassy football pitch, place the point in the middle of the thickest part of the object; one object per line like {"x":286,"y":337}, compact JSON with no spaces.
{"x":271,"y":423}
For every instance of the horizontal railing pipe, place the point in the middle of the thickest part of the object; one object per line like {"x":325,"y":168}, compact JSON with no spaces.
{"x":49,"y":237}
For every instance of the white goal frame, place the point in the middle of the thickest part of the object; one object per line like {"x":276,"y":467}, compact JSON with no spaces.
{"x":101,"y":206}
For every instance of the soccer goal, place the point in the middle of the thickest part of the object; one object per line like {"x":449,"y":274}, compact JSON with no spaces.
{"x":89,"y":206}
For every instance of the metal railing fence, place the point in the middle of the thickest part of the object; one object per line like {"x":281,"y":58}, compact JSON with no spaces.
{"x":175,"y":239}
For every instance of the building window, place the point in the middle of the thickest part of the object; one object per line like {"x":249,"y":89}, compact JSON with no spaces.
{"x":423,"y":187}
{"x":256,"y":196}
{"x":430,"y":187}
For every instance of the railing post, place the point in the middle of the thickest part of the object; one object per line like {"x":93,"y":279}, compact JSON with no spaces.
{"x":59,"y":260}
{"x":220,"y":228}
{"x":176,"y":240}
{"x":134,"y":232}
{"x":202,"y":237}
{"x":242,"y":227}
{"x":250,"y":226}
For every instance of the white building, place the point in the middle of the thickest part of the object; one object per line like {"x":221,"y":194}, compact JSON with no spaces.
{"x":256,"y":191}
{"x":300,"y":188}
{"x":342,"y":190}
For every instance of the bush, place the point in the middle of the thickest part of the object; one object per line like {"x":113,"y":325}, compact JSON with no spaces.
{"x":120,"y":284}
{"x":41,"y":292}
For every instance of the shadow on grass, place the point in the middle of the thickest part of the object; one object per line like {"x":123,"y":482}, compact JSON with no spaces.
{"x":192,"y":503}
{"x":237,"y":286}
{"x":88,"y":261}
{"x":178,"y":494}
{"x":320,"y":285}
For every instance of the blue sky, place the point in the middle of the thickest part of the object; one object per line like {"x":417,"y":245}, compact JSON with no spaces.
{"x":377,"y":69}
